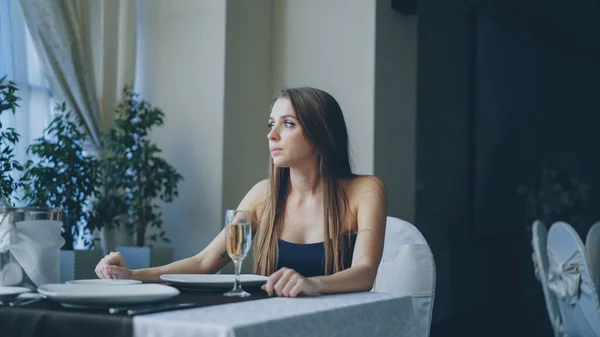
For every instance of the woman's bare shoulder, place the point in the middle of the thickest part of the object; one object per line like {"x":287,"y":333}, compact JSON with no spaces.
{"x":255,"y":200}
{"x":362,"y":192}
{"x":261,"y":188}
{"x":255,"y":195}
{"x":361,"y":185}
{"x":258,"y":193}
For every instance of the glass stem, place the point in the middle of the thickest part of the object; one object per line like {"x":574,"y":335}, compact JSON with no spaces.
{"x":238,"y":269}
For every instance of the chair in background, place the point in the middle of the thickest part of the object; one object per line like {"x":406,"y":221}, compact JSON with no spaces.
{"x":407,"y":267}
{"x":592,"y":245}
{"x":540,"y":261}
{"x":570,"y":280}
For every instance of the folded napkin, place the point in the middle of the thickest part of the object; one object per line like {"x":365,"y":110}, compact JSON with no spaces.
{"x":35,"y":247}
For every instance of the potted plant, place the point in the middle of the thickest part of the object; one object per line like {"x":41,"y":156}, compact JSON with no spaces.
{"x":8,"y":140}
{"x":64,"y":175}
{"x":109,"y":210}
{"x":135,"y":179}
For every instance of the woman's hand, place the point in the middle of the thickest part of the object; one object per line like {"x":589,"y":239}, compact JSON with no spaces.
{"x":112,"y":266}
{"x":288,"y":283}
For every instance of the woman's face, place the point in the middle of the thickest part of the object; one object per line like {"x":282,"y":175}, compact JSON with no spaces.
{"x":287,"y":143}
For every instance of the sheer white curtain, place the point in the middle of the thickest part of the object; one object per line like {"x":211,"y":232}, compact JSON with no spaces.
{"x":20,"y":62}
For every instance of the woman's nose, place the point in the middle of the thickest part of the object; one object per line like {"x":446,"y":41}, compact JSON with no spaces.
{"x":273,"y":134}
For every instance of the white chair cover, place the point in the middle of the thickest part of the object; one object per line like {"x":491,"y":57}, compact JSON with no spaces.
{"x":540,"y":262}
{"x":569,"y":279}
{"x":408,"y":267}
{"x":592,"y":245}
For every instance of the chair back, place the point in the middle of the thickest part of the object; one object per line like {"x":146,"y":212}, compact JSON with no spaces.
{"x":592,"y":245}
{"x":407,"y":267}
{"x":540,"y":264}
{"x":570,"y":280}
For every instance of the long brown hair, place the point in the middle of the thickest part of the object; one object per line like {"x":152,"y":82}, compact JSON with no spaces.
{"x":322,"y":123}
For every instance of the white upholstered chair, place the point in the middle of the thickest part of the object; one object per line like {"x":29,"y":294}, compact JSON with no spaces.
{"x":592,"y":246}
{"x":408,"y":267}
{"x":570,"y":280}
{"x":540,"y":261}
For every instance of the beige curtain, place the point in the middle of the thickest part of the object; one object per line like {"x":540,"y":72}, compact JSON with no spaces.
{"x":88,"y":50}
{"x":112,"y":30}
{"x":58,"y":34}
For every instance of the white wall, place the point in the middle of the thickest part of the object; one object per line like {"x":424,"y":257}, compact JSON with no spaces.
{"x":180,"y":67}
{"x":330,"y":45}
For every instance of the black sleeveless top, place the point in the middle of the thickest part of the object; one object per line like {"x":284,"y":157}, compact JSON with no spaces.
{"x":308,"y":259}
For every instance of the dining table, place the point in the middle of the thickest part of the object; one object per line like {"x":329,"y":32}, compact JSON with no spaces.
{"x":212,"y":314}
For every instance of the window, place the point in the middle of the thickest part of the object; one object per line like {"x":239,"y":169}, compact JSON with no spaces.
{"x":20,"y":62}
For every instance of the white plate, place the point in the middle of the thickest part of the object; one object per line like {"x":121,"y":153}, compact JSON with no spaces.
{"x":213,"y":281}
{"x":103,"y":295}
{"x":104,"y":281}
{"x":9,"y":293}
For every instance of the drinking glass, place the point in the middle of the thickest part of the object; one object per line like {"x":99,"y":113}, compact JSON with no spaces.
{"x":238,"y":236}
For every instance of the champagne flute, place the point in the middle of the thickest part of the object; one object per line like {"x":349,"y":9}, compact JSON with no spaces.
{"x":238,"y":236}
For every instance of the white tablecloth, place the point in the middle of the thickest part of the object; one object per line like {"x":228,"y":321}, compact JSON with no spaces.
{"x":343,"y":315}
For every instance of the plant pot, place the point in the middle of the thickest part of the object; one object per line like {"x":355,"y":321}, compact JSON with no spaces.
{"x":108,"y":240}
{"x":113,"y":237}
{"x":146,"y":256}
{"x":78,"y":264}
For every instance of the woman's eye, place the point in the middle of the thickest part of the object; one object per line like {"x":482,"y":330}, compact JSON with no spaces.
{"x":289,"y":124}
{"x":270,"y":125}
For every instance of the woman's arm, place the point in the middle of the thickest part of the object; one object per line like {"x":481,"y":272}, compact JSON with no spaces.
{"x":371,"y":198}
{"x":368,"y":250}
{"x":210,"y":260}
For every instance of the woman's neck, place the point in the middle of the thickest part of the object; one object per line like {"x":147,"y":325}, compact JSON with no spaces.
{"x":305,"y":182}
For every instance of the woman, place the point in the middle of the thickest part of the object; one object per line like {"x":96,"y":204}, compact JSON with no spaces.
{"x":319,"y":227}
